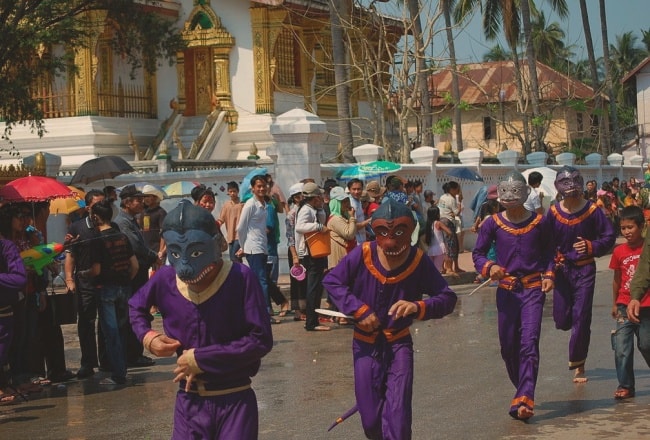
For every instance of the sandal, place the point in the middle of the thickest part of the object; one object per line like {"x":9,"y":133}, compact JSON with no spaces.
{"x":284,"y":309}
{"x":39,"y":380}
{"x":623,"y":393}
{"x":7,"y":399}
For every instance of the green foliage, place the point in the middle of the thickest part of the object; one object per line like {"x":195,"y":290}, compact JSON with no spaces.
{"x":578,"y":105}
{"x":626,"y":116}
{"x":30,"y":29}
{"x":442,"y":126}
{"x":538,"y":121}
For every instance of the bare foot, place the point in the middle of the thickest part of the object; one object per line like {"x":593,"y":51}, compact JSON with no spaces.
{"x":579,"y":375}
{"x":524,"y":413}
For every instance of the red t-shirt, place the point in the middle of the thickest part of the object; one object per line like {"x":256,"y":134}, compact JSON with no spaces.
{"x":625,"y":259}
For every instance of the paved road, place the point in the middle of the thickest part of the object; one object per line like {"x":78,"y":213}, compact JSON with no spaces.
{"x":461,"y":387}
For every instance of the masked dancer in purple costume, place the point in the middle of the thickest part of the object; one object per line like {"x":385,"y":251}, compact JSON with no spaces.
{"x":13,"y":278}
{"x":581,"y":232}
{"x":524,"y":268}
{"x":215,"y":319}
{"x":381,"y":284}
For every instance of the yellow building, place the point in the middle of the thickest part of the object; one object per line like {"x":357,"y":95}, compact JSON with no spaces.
{"x":491,"y":119}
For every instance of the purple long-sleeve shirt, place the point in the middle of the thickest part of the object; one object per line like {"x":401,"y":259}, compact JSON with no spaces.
{"x":590,"y":223}
{"x":359,"y":285}
{"x":13,"y":275}
{"x":522,"y":249}
{"x":228,"y":327}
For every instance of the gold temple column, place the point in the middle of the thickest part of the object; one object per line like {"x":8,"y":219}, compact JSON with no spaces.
{"x":85,"y":84}
{"x":267,"y":25}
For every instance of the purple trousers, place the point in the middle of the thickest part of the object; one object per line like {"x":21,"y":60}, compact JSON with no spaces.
{"x":233,"y":416}
{"x":572,"y":302}
{"x":520,"y":324}
{"x":383,"y":385}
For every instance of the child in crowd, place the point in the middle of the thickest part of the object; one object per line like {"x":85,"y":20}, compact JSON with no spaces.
{"x":434,"y":238}
{"x":624,"y":261}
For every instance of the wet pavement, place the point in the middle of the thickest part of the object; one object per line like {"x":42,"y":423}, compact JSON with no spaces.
{"x":461,"y":387}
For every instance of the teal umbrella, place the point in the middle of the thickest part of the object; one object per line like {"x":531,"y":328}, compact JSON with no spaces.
{"x":380,"y":167}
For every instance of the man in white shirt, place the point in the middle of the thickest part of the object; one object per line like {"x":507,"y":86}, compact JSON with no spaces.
{"x":251,"y":230}
{"x":534,"y":201}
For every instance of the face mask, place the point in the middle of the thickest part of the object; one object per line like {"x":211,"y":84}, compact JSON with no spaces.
{"x":393,"y":236}
{"x":569,"y":183}
{"x":193,"y":254}
{"x":512,"y":193}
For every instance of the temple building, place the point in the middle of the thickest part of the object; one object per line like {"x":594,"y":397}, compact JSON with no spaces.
{"x":244,"y":63}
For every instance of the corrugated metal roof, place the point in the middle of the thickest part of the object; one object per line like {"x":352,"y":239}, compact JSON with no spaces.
{"x":482,"y":83}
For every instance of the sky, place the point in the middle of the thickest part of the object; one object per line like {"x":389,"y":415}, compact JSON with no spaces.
{"x":622,"y":16}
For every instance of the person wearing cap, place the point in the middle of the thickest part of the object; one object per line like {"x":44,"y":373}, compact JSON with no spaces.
{"x":298,"y":288}
{"x":375,"y":190}
{"x":355,"y":188}
{"x":524,"y":267}
{"x":132,"y":204}
{"x":215,"y":322}
{"x":386,"y":285}
{"x":151,"y":219}
{"x":311,"y":218}
{"x":229,"y":217}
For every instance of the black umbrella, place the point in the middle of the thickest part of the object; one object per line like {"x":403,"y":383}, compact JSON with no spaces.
{"x":101,"y":168}
{"x":465,"y":173}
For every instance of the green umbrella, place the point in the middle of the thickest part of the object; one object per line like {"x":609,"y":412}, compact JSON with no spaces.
{"x":380,"y":167}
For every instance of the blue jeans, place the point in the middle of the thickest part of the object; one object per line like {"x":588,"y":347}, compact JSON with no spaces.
{"x":232,"y":250}
{"x":623,"y":344}
{"x":257,"y":263}
{"x":113,"y":318}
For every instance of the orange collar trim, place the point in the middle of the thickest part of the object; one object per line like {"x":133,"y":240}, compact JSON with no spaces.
{"x":518,"y":231}
{"x":572,"y":222}
{"x":367,"y":259}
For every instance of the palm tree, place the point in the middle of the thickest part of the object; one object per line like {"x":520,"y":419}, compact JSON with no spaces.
{"x":497,"y":53}
{"x":421,"y":73}
{"x":646,"y":40}
{"x":446,"y":7}
{"x":340,"y":11}
{"x":548,"y":41}
{"x":608,"y":76}
{"x":511,"y":15}
{"x":603,"y":129}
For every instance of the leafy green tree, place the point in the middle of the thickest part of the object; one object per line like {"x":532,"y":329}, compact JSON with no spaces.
{"x":31,"y":29}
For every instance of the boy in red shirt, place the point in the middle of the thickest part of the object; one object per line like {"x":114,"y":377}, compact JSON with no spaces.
{"x":624,"y":261}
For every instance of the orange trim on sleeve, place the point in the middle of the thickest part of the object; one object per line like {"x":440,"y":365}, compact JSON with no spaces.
{"x":422,"y":310}
{"x":363,"y":309}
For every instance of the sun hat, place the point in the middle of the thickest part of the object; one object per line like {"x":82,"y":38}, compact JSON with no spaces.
{"x":338,"y":193}
{"x":130,"y":191}
{"x":310,"y":189}
{"x":296,"y":188}
{"x":298,"y":272}
{"x":150,"y":190}
{"x":374,"y":189}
